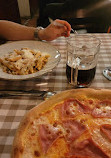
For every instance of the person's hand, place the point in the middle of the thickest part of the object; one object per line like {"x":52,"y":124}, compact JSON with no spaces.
{"x":54,"y":31}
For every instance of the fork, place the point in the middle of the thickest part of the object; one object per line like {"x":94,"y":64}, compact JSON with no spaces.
{"x":59,"y":24}
{"x":31,"y":93}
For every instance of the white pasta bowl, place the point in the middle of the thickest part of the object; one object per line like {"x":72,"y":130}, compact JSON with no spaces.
{"x":43,"y":47}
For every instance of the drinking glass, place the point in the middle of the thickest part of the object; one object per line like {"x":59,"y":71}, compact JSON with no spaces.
{"x":82,"y":57}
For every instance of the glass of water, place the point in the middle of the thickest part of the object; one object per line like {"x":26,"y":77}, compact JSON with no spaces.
{"x":82,"y":57}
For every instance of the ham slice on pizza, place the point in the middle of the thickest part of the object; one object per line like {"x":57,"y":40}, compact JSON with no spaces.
{"x":72,"y":124}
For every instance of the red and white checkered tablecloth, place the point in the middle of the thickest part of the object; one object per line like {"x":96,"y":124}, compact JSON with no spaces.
{"x":12,"y":109}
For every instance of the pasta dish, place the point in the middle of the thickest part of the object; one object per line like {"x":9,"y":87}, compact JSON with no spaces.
{"x":23,"y":62}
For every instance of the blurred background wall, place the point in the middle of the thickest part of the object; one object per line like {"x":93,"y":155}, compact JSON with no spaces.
{"x":24,"y":8}
{"x":92,"y":15}
{"x":16,"y":10}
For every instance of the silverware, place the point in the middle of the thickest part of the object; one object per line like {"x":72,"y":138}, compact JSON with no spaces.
{"x":107,"y":73}
{"x":31,"y":93}
{"x":59,"y":24}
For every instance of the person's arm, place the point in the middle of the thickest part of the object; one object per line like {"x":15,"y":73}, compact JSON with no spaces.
{"x":13,"y":31}
{"x":52,"y":31}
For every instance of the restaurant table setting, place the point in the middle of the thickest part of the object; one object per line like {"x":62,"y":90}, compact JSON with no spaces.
{"x":18,"y":96}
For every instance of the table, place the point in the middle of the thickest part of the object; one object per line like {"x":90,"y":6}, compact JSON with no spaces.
{"x":12,"y":109}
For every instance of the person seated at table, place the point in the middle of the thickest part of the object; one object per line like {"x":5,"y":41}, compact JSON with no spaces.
{"x":13,"y":31}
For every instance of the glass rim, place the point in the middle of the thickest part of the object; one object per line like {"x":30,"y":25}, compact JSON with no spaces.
{"x":88,"y":35}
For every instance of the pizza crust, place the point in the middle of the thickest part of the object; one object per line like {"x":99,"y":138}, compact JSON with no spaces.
{"x":100,"y":94}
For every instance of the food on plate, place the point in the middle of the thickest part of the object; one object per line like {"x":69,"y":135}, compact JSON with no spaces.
{"x":72,"y":124}
{"x":23,"y":62}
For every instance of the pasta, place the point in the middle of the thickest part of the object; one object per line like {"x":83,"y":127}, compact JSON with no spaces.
{"x":23,"y":62}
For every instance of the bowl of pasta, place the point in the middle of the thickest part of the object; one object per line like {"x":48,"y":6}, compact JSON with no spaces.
{"x":23,"y":60}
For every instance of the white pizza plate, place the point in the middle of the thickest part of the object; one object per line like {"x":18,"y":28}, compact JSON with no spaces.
{"x":38,"y":45}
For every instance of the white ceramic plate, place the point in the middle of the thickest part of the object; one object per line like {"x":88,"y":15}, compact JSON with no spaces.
{"x":38,"y":45}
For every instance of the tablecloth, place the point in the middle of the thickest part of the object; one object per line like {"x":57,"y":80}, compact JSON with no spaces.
{"x":12,"y":109}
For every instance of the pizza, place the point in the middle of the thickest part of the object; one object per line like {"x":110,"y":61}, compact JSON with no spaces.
{"x":72,"y":124}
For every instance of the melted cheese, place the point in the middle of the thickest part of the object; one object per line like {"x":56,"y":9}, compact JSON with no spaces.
{"x":59,"y":147}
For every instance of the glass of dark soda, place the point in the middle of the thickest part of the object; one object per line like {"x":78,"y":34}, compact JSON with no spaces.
{"x":82,"y":57}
